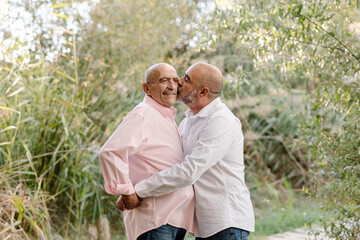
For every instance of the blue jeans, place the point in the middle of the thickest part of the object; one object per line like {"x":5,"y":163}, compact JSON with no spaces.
{"x":164,"y":232}
{"x":228,"y":234}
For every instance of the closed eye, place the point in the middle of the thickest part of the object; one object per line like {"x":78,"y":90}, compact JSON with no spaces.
{"x":187,"y":78}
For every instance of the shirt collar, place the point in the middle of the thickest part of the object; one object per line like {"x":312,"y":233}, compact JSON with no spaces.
{"x":205,"y":111}
{"x":165,"y":111}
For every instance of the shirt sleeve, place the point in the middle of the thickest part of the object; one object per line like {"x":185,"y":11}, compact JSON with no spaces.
{"x":214,"y":140}
{"x":128,"y":139}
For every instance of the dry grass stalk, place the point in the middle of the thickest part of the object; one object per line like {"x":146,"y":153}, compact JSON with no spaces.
{"x":19,"y":213}
{"x":92,"y":232}
{"x":103,"y":228}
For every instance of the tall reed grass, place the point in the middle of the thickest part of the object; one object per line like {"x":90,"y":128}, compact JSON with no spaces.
{"x":51,"y":131}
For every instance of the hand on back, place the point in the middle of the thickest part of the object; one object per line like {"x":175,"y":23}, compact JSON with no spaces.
{"x":127,"y":202}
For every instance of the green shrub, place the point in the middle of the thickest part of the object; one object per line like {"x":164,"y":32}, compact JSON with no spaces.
{"x":313,"y":46}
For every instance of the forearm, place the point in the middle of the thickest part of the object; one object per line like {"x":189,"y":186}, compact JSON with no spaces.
{"x":165,"y":181}
{"x":115,"y":173}
{"x":209,"y":149}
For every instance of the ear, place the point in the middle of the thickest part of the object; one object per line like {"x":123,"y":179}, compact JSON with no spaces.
{"x":146,"y":88}
{"x":204,"y":92}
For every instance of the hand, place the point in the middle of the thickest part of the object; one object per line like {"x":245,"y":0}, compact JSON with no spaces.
{"x":120,"y":204}
{"x":128,"y":202}
{"x":131,"y":201}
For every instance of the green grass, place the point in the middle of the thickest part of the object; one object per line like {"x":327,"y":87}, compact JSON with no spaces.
{"x":279,"y":219}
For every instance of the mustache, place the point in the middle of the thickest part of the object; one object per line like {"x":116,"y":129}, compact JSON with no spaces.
{"x":169,"y":92}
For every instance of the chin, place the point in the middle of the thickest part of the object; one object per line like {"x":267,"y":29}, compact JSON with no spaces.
{"x":179,"y":100}
{"x":170,"y":96}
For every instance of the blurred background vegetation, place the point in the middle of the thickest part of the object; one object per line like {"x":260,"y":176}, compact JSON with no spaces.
{"x":70,"y":70}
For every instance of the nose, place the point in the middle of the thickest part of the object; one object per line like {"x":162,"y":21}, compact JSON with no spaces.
{"x":172,"y":84}
{"x":181,"y":81}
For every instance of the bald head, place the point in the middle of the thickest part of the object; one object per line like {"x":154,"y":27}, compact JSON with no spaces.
{"x":153,"y":73}
{"x":201,"y":84}
{"x":210,"y":77}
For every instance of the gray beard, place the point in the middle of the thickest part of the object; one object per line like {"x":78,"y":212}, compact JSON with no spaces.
{"x":188,"y":98}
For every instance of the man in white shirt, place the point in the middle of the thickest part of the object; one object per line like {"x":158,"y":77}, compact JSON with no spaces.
{"x":213,"y":148}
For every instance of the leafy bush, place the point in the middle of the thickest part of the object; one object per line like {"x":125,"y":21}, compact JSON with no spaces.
{"x":313,"y":46}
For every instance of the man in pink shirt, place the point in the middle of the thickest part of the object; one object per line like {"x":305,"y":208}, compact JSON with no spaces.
{"x":147,"y":142}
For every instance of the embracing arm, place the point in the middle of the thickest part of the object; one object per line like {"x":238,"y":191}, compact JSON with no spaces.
{"x":214,"y":141}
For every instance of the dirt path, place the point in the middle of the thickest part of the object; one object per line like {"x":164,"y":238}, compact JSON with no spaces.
{"x":298,"y":234}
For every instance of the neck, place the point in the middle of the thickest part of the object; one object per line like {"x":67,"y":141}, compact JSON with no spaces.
{"x":194,"y":110}
{"x":196,"y":106}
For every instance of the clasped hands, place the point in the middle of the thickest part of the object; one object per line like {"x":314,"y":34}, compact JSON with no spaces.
{"x":127,"y":202}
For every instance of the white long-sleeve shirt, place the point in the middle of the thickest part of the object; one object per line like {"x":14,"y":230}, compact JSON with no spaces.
{"x":213,"y":148}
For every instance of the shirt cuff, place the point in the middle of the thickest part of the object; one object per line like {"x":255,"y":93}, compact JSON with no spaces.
{"x":120,"y":189}
{"x":141,"y":190}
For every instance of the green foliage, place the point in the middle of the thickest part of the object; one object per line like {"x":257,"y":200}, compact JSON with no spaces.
{"x":54,"y":148}
{"x":270,"y":128}
{"x":335,"y":133}
{"x":277,"y":218}
{"x":311,"y":45}
{"x":127,"y":37}
{"x":24,"y":212}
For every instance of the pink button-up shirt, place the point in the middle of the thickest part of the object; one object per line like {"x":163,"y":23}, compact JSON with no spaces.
{"x":146,"y":142}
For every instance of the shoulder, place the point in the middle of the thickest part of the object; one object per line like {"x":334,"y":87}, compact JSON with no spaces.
{"x":221,"y":113}
{"x":138,"y":113}
{"x":222,"y":117}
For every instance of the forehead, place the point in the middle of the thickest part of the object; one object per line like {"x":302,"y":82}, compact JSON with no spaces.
{"x":193,"y":73}
{"x":167,"y":72}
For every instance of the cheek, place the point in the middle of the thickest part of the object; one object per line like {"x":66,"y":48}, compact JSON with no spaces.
{"x":160,"y":90}
{"x":164,"y":89}
{"x":185,"y":89}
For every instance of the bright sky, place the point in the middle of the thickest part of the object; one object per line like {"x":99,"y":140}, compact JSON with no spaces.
{"x":16,"y":22}
{"x":3,"y":7}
